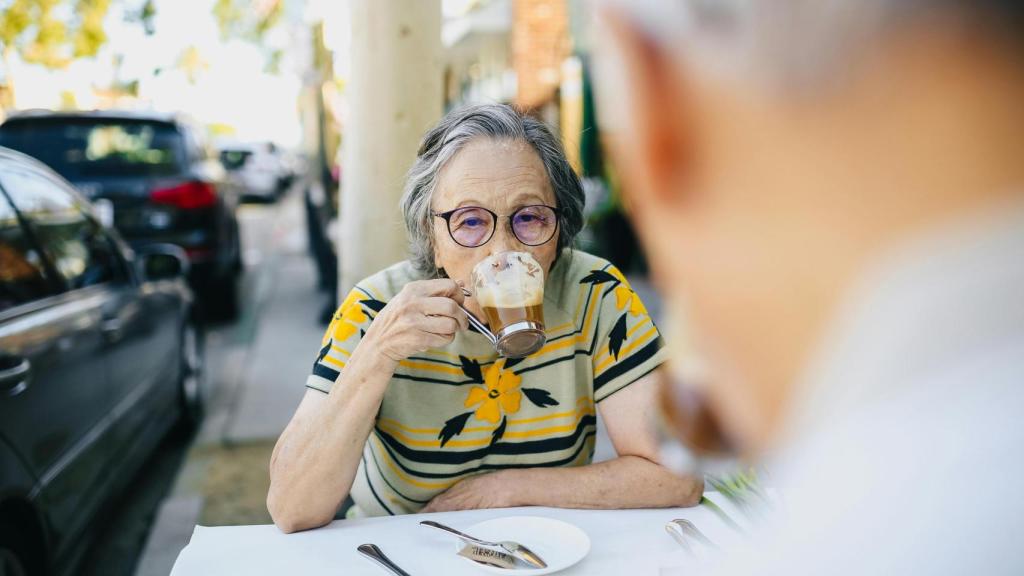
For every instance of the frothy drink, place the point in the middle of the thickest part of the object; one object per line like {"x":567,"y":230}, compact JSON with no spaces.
{"x":510,"y":290}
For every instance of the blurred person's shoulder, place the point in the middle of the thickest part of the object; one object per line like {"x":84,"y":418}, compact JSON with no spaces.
{"x":909,"y":420}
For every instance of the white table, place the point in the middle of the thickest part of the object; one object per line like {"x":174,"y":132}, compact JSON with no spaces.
{"x":632,"y":542}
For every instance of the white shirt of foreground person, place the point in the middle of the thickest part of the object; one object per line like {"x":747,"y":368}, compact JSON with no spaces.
{"x":905,"y":453}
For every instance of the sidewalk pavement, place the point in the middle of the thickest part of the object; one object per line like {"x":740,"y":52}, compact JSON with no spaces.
{"x":255,"y":374}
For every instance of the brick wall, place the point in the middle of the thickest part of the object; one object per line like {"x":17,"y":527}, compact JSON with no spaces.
{"x":540,"y":42}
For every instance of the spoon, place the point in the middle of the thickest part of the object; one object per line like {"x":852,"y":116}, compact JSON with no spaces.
{"x":374,"y":553}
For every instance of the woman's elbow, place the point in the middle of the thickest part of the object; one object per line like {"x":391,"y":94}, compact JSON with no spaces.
{"x":693,"y":492}
{"x":290,"y":523}
{"x":287,"y":524}
{"x":290,"y":519}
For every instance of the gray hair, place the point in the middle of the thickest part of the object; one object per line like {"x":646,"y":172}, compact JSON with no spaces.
{"x":452,"y":133}
{"x":784,"y":43}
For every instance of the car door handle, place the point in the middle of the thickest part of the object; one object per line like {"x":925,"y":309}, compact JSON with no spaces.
{"x":14,"y":380}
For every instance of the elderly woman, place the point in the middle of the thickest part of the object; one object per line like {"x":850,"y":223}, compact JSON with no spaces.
{"x":410,"y":411}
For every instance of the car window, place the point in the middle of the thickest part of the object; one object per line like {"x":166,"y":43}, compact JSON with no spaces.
{"x":234,"y":159}
{"x":84,"y":148}
{"x":75,"y":243}
{"x":23,"y":276}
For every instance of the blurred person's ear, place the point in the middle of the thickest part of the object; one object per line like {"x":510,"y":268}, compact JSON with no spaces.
{"x":646,"y":105}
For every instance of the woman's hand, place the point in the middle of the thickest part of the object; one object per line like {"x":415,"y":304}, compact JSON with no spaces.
{"x":424,"y":315}
{"x":491,"y":490}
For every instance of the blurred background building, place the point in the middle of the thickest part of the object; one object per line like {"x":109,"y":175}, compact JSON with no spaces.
{"x":535,"y":54}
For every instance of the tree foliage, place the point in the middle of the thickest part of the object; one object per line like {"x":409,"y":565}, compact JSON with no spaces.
{"x":53,"y":32}
{"x":250,"y":20}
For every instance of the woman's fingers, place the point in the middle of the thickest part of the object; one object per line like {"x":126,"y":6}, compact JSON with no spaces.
{"x":442,"y":306}
{"x":438,"y":287}
{"x":442,"y":325}
{"x":424,"y":315}
{"x":439,"y":340}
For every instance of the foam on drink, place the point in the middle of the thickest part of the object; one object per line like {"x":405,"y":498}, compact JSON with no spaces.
{"x":509,"y":280}
{"x":510,"y":290}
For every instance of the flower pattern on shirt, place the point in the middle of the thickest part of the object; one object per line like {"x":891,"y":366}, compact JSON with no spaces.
{"x":347,"y":319}
{"x":626,"y":300}
{"x":625,"y":297}
{"x":499,"y":395}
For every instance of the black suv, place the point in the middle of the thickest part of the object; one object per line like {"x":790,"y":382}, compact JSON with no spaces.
{"x":165,"y":186}
{"x":99,"y":358}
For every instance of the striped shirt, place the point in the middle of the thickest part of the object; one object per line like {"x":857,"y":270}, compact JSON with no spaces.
{"x":460,"y":410}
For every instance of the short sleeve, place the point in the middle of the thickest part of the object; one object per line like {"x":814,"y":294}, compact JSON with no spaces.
{"x":348,"y":325}
{"x":628,"y":345}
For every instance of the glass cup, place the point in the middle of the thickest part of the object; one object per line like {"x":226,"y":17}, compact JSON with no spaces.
{"x":509,"y":287}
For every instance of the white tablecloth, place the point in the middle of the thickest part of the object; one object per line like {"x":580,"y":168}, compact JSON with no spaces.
{"x":631,"y":542}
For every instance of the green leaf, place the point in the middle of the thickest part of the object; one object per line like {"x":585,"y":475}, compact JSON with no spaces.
{"x":710,"y":505}
{"x":740,"y":488}
{"x":453,"y":427}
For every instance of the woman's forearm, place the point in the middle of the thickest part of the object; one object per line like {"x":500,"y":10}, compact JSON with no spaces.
{"x":318,"y":454}
{"x":624,"y":482}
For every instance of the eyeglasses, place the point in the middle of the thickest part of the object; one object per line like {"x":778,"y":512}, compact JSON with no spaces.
{"x":473,"y":226}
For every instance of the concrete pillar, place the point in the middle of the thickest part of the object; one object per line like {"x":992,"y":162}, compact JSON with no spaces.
{"x":395,"y":94}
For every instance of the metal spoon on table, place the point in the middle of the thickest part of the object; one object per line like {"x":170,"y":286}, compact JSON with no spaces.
{"x":514,"y":548}
{"x":374,"y":553}
{"x":679,"y":535}
{"x":682,"y":531}
{"x":691,"y":529}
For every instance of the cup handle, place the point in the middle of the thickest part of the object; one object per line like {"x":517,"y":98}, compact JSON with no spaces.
{"x":478,"y":324}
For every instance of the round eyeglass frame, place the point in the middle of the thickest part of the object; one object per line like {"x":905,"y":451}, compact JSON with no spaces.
{"x":447,"y":216}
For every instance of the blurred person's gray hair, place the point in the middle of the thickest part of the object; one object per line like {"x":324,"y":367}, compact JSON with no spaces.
{"x":448,"y":137}
{"x":793,"y":42}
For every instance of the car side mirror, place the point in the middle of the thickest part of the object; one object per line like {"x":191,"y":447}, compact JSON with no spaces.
{"x":162,"y":262}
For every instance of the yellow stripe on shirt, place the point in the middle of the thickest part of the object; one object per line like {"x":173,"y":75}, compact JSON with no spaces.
{"x":407,"y":478}
{"x":394,"y":424}
{"x":442,"y":368}
{"x":643,"y":339}
{"x":603,"y":353}
{"x":552,"y":429}
{"x":335,"y":361}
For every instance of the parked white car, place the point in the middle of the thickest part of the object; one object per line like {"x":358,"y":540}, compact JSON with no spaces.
{"x":257,"y":167}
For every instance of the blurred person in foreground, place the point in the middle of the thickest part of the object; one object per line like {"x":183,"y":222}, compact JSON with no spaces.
{"x":408,"y":411}
{"x":832,"y":193}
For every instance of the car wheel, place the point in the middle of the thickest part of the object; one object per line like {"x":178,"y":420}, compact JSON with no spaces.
{"x":219,"y":299}
{"x":238,"y":264}
{"x":190,"y":384}
{"x":226,"y":297}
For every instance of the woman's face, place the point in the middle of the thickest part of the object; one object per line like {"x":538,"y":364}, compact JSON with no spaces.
{"x":502,"y":176}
